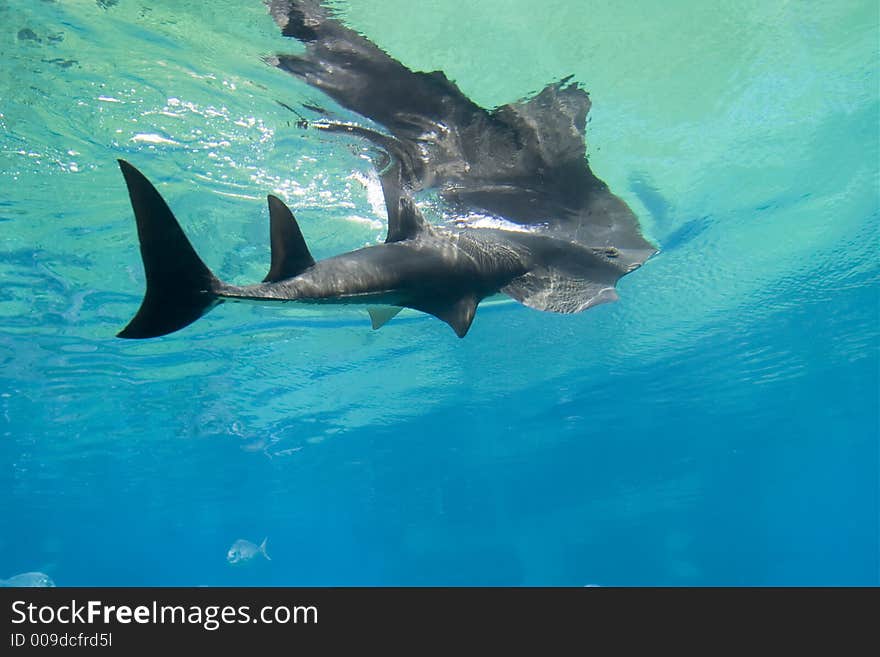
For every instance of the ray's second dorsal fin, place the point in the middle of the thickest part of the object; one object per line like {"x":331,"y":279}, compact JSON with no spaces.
{"x":290,"y":255}
{"x":407,"y":222}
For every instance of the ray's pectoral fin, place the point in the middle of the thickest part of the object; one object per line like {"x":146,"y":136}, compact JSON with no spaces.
{"x":458,"y":313}
{"x":381,"y":315}
{"x":548,"y":290}
{"x":290,"y":255}
{"x":567,"y":279}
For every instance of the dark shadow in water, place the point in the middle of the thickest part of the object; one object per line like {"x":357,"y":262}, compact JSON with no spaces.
{"x":663,"y":211}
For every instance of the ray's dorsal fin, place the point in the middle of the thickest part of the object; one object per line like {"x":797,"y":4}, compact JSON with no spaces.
{"x":406,"y":223}
{"x":458,"y":313}
{"x":381,"y":315}
{"x":290,"y":255}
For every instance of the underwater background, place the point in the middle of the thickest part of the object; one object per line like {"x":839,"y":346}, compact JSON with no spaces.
{"x":716,"y":426}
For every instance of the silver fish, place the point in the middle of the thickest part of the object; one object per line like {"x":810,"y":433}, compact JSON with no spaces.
{"x":28,"y":579}
{"x":243,"y":551}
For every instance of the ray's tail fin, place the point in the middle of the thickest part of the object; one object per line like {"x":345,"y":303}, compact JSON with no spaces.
{"x":180,"y":288}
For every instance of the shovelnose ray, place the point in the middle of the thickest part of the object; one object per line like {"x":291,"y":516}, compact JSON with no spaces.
{"x":528,"y":217}
{"x":441,"y":270}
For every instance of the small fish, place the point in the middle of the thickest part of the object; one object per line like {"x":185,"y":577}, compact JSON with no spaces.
{"x":242,"y":551}
{"x":28,"y":579}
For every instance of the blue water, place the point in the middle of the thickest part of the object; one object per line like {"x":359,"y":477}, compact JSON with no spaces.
{"x":717,"y":425}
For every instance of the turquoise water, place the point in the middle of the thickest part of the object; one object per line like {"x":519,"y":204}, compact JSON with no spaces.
{"x":717,"y":425}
